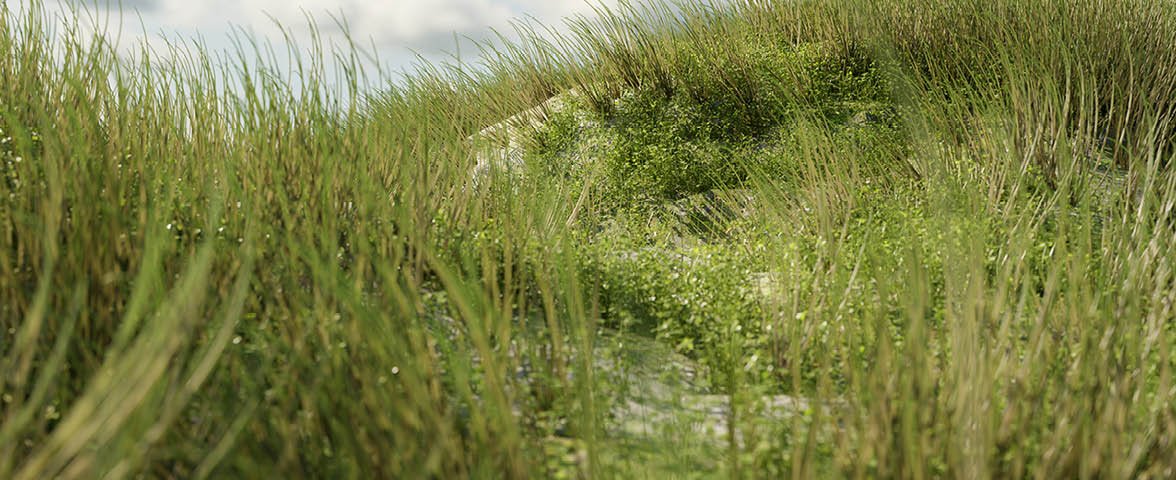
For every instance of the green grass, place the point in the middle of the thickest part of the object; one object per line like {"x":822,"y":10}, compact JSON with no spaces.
{"x":944,"y":228}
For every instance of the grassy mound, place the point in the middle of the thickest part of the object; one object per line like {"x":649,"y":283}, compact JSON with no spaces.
{"x":810,"y":239}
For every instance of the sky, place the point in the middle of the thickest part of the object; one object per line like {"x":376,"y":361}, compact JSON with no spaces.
{"x":398,"y":30}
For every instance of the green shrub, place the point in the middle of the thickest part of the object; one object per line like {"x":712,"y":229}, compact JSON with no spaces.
{"x":700,"y":300}
{"x":705,"y":134}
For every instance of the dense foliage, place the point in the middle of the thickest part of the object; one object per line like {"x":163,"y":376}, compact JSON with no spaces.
{"x":867,"y":238}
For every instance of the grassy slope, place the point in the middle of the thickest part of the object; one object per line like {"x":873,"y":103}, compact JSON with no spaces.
{"x":953,"y":238}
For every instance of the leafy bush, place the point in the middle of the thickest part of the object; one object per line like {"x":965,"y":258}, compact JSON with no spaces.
{"x":708,"y":133}
{"x":699,"y":300}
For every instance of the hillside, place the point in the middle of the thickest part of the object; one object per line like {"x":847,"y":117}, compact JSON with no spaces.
{"x":809,"y":239}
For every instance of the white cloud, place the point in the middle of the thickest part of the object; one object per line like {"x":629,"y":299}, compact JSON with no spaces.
{"x":399,"y":30}
{"x":423,"y":25}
